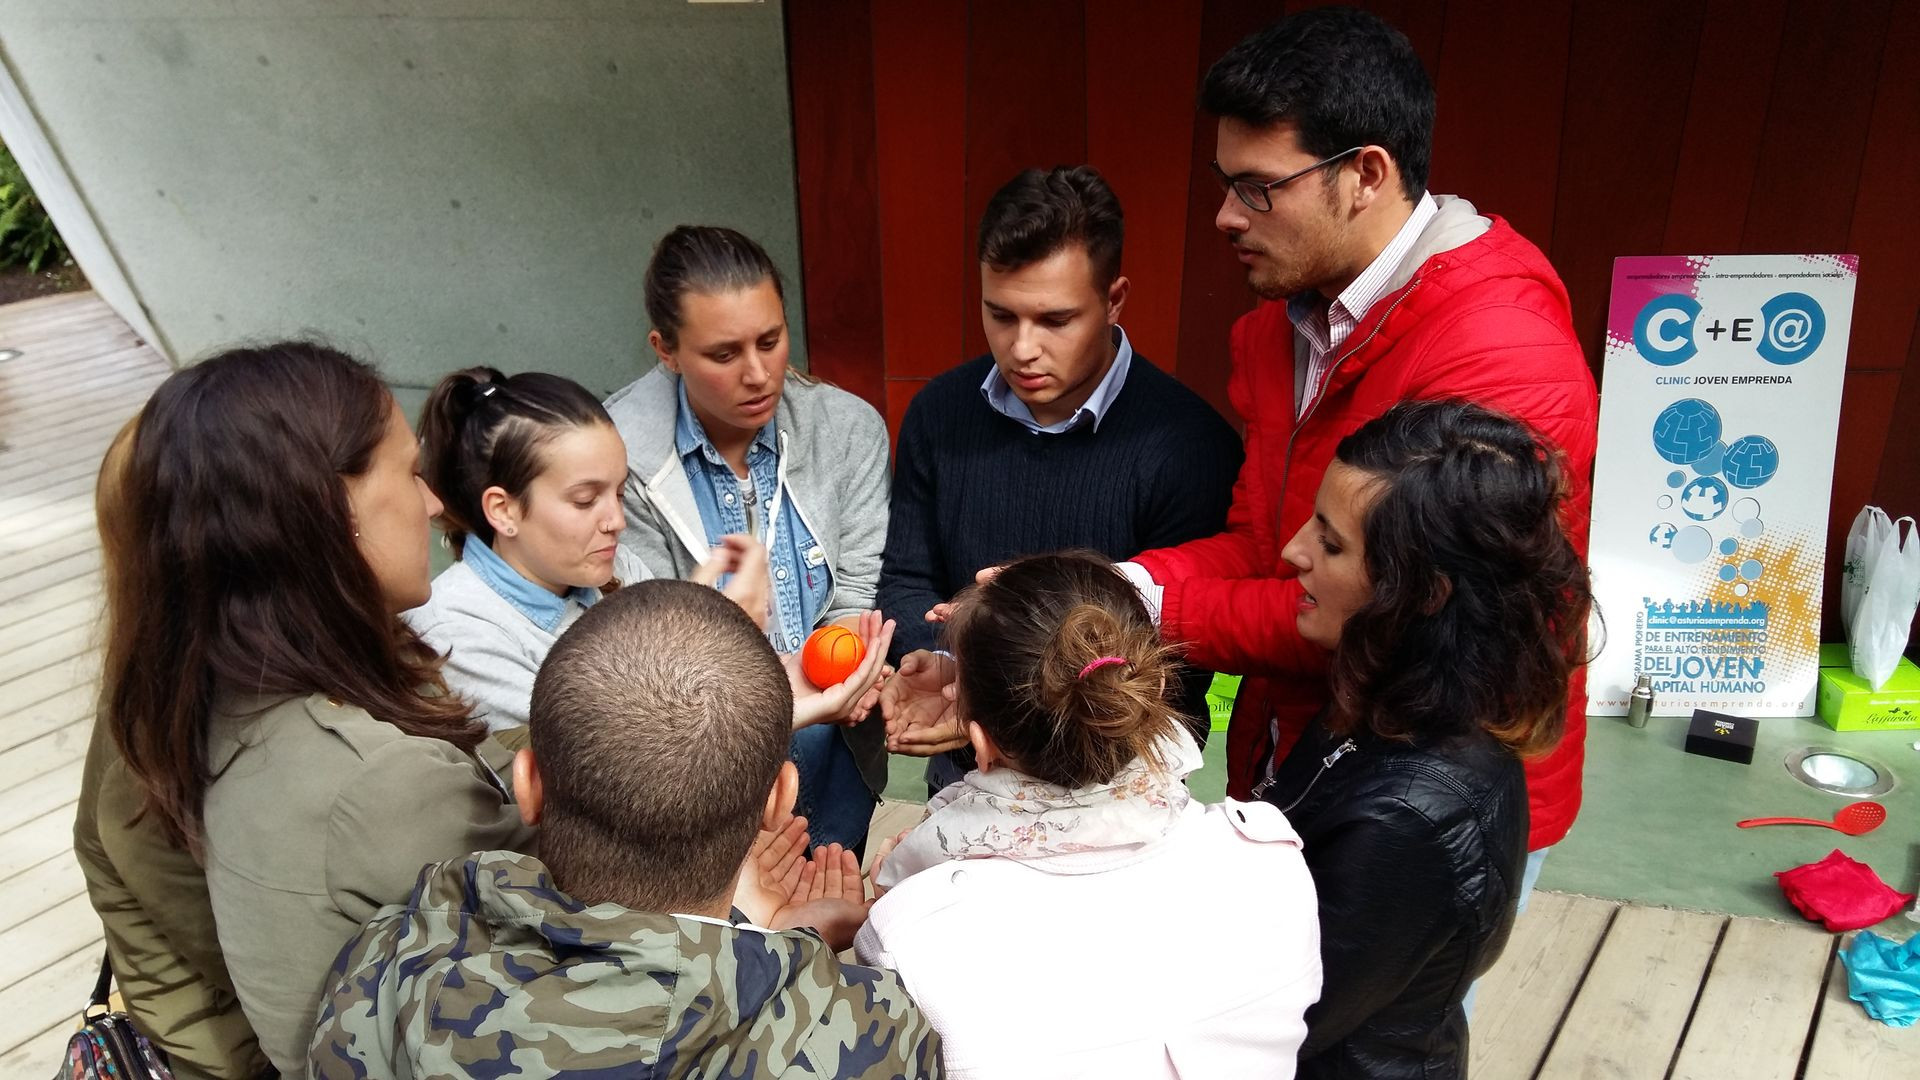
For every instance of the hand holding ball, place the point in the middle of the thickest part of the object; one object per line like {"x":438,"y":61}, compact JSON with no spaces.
{"x":831,"y":655}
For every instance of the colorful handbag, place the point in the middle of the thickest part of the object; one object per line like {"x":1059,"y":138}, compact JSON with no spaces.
{"x":109,"y":1047}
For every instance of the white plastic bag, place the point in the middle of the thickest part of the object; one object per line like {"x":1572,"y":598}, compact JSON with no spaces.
{"x":1870,"y":526}
{"x":1890,"y":591}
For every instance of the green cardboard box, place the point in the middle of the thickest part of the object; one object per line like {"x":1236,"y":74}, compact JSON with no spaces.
{"x":1220,"y":695}
{"x":1836,"y":655}
{"x":1847,"y":703}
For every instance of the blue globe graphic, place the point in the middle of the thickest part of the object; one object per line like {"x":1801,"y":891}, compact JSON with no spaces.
{"x":1686,"y":431}
{"x":1661,"y":535}
{"x":1704,"y":499}
{"x":1751,"y":461}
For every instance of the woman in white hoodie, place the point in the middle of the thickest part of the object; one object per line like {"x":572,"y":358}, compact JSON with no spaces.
{"x":1068,"y":909}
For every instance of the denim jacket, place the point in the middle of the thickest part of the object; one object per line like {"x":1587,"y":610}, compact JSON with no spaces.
{"x":829,"y":457}
{"x":802,"y":581}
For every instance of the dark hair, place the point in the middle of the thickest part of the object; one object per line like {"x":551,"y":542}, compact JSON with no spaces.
{"x":1037,"y":213}
{"x":243,"y":574}
{"x":482,"y":429}
{"x":702,"y":259}
{"x":1345,"y":77}
{"x":659,"y":721}
{"x":1022,"y":641}
{"x":1480,"y":603}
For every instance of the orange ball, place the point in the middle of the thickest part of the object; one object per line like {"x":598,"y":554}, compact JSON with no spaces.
{"x":831,"y":654}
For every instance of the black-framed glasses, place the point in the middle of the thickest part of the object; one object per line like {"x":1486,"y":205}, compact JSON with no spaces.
{"x":1258,"y":194}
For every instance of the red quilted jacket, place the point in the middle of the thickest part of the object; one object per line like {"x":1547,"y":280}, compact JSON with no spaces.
{"x":1486,"y":320}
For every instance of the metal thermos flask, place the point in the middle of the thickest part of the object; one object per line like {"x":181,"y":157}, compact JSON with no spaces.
{"x":1640,"y":704}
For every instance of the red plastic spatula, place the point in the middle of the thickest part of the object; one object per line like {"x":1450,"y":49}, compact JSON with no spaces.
{"x":1852,"y":819}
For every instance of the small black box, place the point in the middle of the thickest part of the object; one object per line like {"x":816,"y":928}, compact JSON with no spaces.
{"x":1718,"y":735}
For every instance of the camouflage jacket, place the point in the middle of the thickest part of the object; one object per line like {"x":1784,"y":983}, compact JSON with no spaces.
{"x":490,"y":970}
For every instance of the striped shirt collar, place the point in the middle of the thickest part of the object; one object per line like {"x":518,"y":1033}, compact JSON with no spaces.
{"x":1325,"y":325}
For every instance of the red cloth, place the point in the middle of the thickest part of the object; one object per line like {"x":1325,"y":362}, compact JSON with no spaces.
{"x":1841,"y":893}
{"x":1487,"y":321}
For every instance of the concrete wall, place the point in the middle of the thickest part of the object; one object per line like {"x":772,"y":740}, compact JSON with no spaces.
{"x":20,"y":129}
{"x":431,"y":183}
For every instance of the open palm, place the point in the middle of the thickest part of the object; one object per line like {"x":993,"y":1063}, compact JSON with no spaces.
{"x":918,"y":704}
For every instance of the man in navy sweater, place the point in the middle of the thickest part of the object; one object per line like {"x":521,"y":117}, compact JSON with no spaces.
{"x":1063,"y":437}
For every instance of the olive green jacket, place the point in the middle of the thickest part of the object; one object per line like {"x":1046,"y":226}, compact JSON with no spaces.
{"x":318,"y":816}
{"x":153,"y":906}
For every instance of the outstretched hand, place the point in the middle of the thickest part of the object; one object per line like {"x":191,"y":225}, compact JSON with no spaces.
{"x":850,"y":701}
{"x":943,"y":612}
{"x":750,"y":585}
{"x":775,"y":866}
{"x":829,"y":897}
{"x":918,"y":705}
{"x":880,"y":857}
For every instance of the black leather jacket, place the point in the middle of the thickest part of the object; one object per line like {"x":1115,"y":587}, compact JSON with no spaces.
{"x":1417,"y":852}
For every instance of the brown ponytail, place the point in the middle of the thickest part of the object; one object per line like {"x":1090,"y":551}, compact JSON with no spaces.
{"x":482,"y":429}
{"x":1031,"y":645}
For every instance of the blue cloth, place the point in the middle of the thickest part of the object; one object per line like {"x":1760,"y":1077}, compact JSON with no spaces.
{"x":533,"y":601}
{"x":1004,"y":401}
{"x":1884,"y":977}
{"x":802,"y":580}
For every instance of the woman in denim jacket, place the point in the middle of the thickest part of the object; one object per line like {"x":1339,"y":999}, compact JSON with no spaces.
{"x":723,"y":438}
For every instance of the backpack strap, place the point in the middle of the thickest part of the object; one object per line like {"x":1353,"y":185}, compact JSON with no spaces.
{"x":102,"y":988}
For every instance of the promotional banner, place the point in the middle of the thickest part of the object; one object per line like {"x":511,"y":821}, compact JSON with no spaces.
{"x":1719,"y":408}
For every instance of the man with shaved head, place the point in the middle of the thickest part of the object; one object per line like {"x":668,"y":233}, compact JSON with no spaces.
{"x":660,"y":724}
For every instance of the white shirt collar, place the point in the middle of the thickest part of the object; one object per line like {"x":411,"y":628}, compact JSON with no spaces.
{"x":1001,"y":397}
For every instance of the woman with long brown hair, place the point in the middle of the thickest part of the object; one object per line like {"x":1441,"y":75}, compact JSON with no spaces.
{"x":151,"y":896}
{"x":285,"y":724}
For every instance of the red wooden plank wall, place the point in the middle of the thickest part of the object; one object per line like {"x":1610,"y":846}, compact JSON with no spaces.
{"x":1599,"y":128}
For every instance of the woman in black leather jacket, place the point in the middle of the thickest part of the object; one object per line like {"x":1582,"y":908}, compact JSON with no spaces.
{"x":1436,"y":570}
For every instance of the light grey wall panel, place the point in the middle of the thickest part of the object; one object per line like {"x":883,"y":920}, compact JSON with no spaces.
{"x":432,"y":183}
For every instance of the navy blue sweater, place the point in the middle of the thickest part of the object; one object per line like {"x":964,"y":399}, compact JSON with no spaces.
{"x":973,"y":489}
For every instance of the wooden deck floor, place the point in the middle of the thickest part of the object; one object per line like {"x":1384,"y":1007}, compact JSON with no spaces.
{"x":1587,"y":988}
{"x":80,"y":375}
{"x":1592,"y":988}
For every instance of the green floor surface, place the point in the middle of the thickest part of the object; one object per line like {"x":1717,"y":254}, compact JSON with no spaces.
{"x":1657,"y":824}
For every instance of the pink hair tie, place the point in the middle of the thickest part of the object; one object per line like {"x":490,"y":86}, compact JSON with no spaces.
{"x":1100,"y":663}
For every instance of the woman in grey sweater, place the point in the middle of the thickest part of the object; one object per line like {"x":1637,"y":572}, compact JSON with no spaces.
{"x":528,"y":471}
{"x":721,"y":438}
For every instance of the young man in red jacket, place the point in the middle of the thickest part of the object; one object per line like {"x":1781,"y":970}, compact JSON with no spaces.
{"x":1373,"y":291}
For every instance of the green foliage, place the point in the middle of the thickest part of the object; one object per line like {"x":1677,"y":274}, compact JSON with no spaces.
{"x":27,"y":235}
